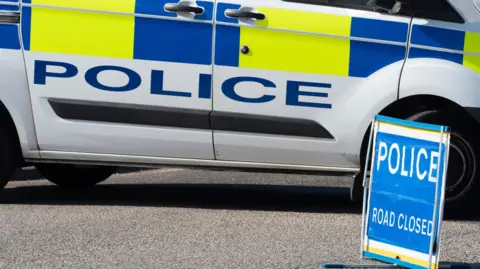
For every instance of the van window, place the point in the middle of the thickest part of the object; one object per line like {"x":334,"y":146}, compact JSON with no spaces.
{"x":353,"y":4}
{"x":426,"y":9}
{"x":432,"y":9}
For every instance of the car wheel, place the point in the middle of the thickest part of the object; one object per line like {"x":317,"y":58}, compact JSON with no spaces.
{"x":462,"y":184}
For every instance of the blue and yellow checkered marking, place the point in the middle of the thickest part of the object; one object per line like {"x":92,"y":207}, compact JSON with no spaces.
{"x":9,"y":34}
{"x":9,"y":5}
{"x":145,"y":7}
{"x":438,"y":37}
{"x":379,"y":29}
{"x":457,"y":41}
{"x":322,"y":23}
{"x":5,"y":7}
{"x":117,"y":35}
{"x":157,"y":39}
{"x":150,"y":7}
{"x":283,"y":44}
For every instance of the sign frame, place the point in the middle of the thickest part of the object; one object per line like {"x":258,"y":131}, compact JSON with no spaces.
{"x":439,"y":194}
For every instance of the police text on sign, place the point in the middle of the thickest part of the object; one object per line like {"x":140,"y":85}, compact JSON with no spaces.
{"x":395,"y":157}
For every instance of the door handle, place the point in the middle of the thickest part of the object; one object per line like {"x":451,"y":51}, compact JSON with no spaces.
{"x":183,"y":8}
{"x":244,"y":14}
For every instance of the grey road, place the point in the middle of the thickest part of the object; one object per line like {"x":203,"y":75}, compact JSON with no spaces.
{"x":173,"y":218}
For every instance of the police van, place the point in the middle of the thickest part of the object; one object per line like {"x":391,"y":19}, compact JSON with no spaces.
{"x":263,"y":85}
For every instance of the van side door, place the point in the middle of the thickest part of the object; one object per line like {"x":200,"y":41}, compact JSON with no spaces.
{"x":126,"y":77}
{"x":294,"y":80}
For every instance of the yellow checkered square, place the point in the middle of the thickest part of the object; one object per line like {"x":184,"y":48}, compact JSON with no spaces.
{"x":84,"y":32}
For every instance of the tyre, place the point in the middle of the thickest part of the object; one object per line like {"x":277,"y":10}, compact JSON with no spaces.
{"x":7,"y":151}
{"x":71,"y":176}
{"x":356,"y":189}
{"x":462,"y":184}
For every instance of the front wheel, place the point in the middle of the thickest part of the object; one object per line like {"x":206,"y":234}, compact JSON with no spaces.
{"x":462,"y":186}
{"x":71,"y":176}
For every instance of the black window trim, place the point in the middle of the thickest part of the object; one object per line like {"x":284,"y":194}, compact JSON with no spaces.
{"x":310,"y":2}
{"x":455,"y":16}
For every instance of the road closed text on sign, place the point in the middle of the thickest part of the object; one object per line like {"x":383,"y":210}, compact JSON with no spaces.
{"x":406,"y":164}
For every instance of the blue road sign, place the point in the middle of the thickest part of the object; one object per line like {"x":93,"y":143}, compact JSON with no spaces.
{"x":405,"y":194}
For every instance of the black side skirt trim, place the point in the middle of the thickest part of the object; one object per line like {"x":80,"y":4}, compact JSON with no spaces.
{"x":236,"y":122}
{"x":131,"y":114}
{"x":186,"y":118}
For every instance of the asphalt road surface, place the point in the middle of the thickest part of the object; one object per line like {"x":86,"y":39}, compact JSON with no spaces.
{"x":174,"y":218}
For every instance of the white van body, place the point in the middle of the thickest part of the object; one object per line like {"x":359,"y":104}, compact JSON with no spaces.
{"x":244,"y":84}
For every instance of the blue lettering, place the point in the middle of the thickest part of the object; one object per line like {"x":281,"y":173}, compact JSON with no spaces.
{"x":40,"y":73}
{"x":228,"y":88}
{"x":205,"y":86}
{"x":134,"y":79}
{"x":293,"y":92}
{"x":157,"y":86}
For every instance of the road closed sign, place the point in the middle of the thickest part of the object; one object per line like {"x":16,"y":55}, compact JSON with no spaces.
{"x":403,"y":208}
